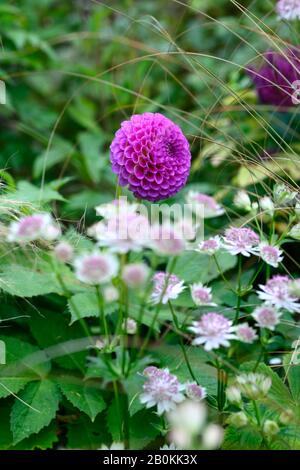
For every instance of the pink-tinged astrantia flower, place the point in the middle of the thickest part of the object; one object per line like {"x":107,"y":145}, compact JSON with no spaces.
{"x":33,"y":227}
{"x":135,"y":274}
{"x":201,"y":295}
{"x":246,"y":333}
{"x":266,"y":316}
{"x":270,"y":254}
{"x":240,"y":240}
{"x":210,"y":246}
{"x":166,"y":287}
{"x":96,"y":268}
{"x":130,"y":326}
{"x":204,"y":205}
{"x":277,"y":293}
{"x":213,"y":330}
{"x":126,"y":231}
{"x":166,"y":240}
{"x":274,"y":80}
{"x":288,"y":9}
{"x":161,"y":389}
{"x":151,"y":156}
{"x":64,"y":251}
{"x":194,"y":391}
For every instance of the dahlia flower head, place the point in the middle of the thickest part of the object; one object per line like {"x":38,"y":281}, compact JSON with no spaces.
{"x":151,"y":156}
{"x":274,"y":80}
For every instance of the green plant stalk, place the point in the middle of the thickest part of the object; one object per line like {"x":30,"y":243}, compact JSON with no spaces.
{"x":238,"y":293}
{"x":222,"y":275}
{"x":182,"y":343}
{"x":102,"y":313}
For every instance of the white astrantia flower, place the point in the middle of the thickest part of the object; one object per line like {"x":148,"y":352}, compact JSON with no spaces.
{"x":213,"y":330}
{"x":187,"y":418}
{"x":96,"y":268}
{"x":253,"y":385}
{"x":246,"y":333}
{"x":110,"y":294}
{"x":276,"y":292}
{"x":283,"y":196}
{"x":288,"y":9}
{"x":212,"y":437}
{"x":204,"y":204}
{"x":201,"y":295}
{"x":166,"y":240}
{"x":240,"y":240}
{"x":210,"y":246}
{"x":33,"y":227}
{"x":242,"y":201}
{"x":270,"y":254}
{"x":166,"y":287}
{"x":267,"y":205}
{"x":64,"y":251}
{"x":266,"y":316}
{"x":161,"y":389}
{"x":295,"y":231}
{"x":194,"y":391}
{"x":135,"y":274}
{"x":130,"y":326}
{"x":233,"y":394}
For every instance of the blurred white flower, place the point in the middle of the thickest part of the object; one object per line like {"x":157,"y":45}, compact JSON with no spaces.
{"x":212,"y":330}
{"x":135,"y":274}
{"x":233,"y":394}
{"x":242,"y":201}
{"x":295,"y":232}
{"x":288,"y":9}
{"x":33,"y":227}
{"x":246,"y":333}
{"x":166,"y":287}
{"x":96,"y":268}
{"x":204,"y":204}
{"x":266,"y":316}
{"x":110,"y":294}
{"x":253,"y":385}
{"x":166,"y":240}
{"x":64,"y":251}
{"x":188,"y":417}
{"x":267,"y":205}
{"x":116,"y":207}
{"x":130,"y":326}
{"x":270,"y":427}
{"x":283,"y":196}
{"x":212,"y":437}
{"x":201,"y":295}
{"x":210,"y":246}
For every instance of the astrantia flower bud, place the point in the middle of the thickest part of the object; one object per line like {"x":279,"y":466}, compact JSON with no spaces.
{"x":130,"y":326}
{"x":96,"y":268}
{"x":151,"y":156}
{"x":242,"y":201}
{"x":267,"y":205}
{"x":194,"y":391}
{"x":295,"y":232}
{"x":33,"y":227}
{"x":283,"y":196}
{"x":110,"y":294}
{"x":287,"y":416}
{"x":233,"y":394}
{"x":239,"y":420}
{"x":135,"y":274}
{"x":270,"y":427}
{"x":64,"y":251}
{"x":254,"y":386}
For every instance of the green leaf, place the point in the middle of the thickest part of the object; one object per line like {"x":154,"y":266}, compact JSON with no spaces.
{"x":43,"y":440}
{"x":83,"y":434}
{"x":293,"y":374}
{"x":198,"y":267}
{"x":21,"y":281}
{"x":53,"y":330}
{"x":144,"y":427}
{"x":241,"y":439}
{"x":38,"y":407}
{"x":21,"y":366}
{"x":28,"y":193}
{"x":114,"y":418}
{"x":60,"y":150}
{"x":86,"y":396}
{"x":90,"y":145}
{"x":87,"y":304}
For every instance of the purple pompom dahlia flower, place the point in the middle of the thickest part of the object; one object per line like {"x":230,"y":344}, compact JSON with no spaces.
{"x":274,"y":80}
{"x":151,"y":155}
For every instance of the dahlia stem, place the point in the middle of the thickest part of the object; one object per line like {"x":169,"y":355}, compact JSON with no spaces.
{"x":182,"y":343}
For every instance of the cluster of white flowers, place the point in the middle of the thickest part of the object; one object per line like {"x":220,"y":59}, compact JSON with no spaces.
{"x":33,"y":227}
{"x":288,"y":9}
{"x":250,"y":385}
{"x":163,"y":390}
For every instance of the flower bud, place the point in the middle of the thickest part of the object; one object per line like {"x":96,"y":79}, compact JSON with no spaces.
{"x":238,"y":420}
{"x":267,"y":205}
{"x":233,"y":394}
{"x":282,"y":195}
{"x":242,"y":201}
{"x":64,"y":251}
{"x":287,"y":416}
{"x":295,"y":232}
{"x":270,"y":427}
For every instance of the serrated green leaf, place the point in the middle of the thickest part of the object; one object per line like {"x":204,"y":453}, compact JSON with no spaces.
{"x":241,"y":439}
{"x":87,"y":304}
{"x":85,"y":396}
{"x":83,"y":434}
{"x":21,"y":366}
{"x":21,"y":281}
{"x":38,"y":407}
{"x":43,"y":440}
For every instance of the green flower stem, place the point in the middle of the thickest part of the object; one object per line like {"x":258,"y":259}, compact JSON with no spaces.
{"x":222,"y":275}
{"x":158,"y":307}
{"x":181,"y":343}
{"x":102,"y":313}
{"x":238,"y":293}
